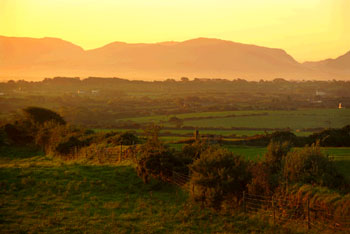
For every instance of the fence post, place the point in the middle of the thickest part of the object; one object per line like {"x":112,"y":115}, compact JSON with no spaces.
{"x":189,"y":181}
{"x":121,"y":151}
{"x":274,"y":211}
{"x":244,"y":208}
{"x":308,"y":213}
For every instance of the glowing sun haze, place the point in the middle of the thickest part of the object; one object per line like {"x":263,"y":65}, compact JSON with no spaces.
{"x":306,"y":29}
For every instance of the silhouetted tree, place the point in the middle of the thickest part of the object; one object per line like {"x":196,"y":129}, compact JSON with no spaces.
{"x":41,"y":115}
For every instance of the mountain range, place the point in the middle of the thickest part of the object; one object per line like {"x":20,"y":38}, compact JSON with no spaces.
{"x":32,"y":58}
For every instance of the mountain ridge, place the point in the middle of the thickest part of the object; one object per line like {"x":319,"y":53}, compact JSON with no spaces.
{"x":199,"y":57}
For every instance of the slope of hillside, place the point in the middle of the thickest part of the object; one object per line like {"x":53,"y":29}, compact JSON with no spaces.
{"x":338,"y":67}
{"x":201,"y":57}
{"x":37,"y":57}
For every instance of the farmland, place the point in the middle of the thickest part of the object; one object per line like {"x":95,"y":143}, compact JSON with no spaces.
{"x":202,"y":103}
{"x":301,"y":119}
{"x":241,"y":123}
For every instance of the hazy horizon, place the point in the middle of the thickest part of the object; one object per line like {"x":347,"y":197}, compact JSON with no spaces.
{"x":308,"y":30}
{"x":162,"y":39}
{"x":178,"y":41}
{"x":38,"y":58}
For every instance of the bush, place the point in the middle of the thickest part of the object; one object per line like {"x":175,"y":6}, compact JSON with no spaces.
{"x":276,"y":151}
{"x":55,"y":139}
{"x":277,"y":136}
{"x":263,"y":182}
{"x":266,"y":174}
{"x":3,"y":137}
{"x":156,"y":160}
{"x":29,"y":129}
{"x":69,"y":145}
{"x":309,"y":165}
{"x":193,"y":151}
{"x":219,"y":175}
{"x":283,"y":136}
{"x":17,"y":134}
{"x":43,"y":135}
{"x":334,"y":203}
{"x":125,"y":138}
{"x":332,"y":137}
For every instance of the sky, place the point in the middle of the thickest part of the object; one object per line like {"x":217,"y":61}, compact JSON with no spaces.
{"x":308,"y":30}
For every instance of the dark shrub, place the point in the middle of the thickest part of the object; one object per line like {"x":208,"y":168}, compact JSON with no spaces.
{"x":263,"y":182}
{"x":218,"y":175}
{"x":309,"y":165}
{"x":17,"y":134}
{"x":283,"y":136}
{"x":332,"y":137}
{"x":54,"y":138}
{"x":276,"y":151}
{"x":157,"y":160}
{"x":3,"y":136}
{"x":40,"y":115}
{"x":267,"y":175}
{"x":193,"y":151}
{"x":125,"y":138}
{"x":68,"y":146}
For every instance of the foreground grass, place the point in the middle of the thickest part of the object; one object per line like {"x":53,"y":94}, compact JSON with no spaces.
{"x":51,"y":196}
{"x":42,"y":194}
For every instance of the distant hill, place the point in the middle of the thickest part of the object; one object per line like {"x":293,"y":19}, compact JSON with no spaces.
{"x":339,"y":67}
{"x":202,"y":57}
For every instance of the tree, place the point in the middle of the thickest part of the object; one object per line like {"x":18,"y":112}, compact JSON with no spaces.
{"x":40,"y":115}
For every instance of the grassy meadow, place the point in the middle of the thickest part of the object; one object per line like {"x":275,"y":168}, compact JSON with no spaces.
{"x":294,"y":119}
{"x":41,"y":194}
{"x":44,"y":194}
{"x":298,"y":119}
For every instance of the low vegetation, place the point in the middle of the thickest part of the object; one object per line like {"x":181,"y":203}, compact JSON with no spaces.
{"x":82,"y":175}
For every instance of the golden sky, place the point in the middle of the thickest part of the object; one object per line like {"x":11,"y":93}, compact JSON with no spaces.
{"x":306,"y":29}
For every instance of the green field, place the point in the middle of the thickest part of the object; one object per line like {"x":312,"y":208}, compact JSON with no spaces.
{"x":248,"y":152}
{"x":159,"y":118}
{"x":295,"y":119}
{"x":43,"y":194}
{"x":40,"y":194}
